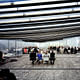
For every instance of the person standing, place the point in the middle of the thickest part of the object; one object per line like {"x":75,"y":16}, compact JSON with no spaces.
{"x":33,"y":56}
{"x":62,"y":50}
{"x":1,"y":55}
{"x":75,"y":50}
{"x":65,"y":50}
{"x":72,"y":50}
{"x":58,"y":50}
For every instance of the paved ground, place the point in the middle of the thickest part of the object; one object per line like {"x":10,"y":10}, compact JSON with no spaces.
{"x":66,"y":67}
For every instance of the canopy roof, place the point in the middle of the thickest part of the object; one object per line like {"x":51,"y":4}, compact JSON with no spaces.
{"x":40,"y":21}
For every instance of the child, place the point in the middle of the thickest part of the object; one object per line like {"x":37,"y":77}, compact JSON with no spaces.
{"x":39,"y":55}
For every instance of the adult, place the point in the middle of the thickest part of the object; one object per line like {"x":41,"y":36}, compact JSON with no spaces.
{"x":75,"y":50}
{"x":58,"y":50}
{"x":72,"y":50}
{"x":25,"y":50}
{"x":52,"y":57}
{"x":1,"y":55}
{"x":5,"y":74}
{"x":62,"y":50}
{"x":46,"y":57}
{"x":33,"y":56}
{"x":69,"y":50}
{"x":65,"y":50}
{"x":35,"y":49}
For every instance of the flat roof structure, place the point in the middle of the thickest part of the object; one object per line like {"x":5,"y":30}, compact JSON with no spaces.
{"x":39,"y":21}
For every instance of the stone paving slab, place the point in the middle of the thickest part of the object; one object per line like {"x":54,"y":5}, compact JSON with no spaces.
{"x":47,"y":74}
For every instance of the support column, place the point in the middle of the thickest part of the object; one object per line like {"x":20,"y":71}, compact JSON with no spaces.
{"x":8,"y":45}
{"x":15,"y":46}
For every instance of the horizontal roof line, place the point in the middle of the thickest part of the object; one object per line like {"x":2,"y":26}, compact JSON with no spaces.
{"x":39,"y":3}
{"x":39,"y":23}
{"x":47,"y":14}
{"x":40,"y":9}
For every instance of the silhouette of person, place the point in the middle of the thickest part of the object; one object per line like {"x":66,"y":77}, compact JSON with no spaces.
{"x":5,"y":74}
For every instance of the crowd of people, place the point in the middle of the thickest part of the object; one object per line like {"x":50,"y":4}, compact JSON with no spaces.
{"x":48,"y":55}
{"x":58,"y":49}
{"x":65,"y":50}
{"x":45,"y":55}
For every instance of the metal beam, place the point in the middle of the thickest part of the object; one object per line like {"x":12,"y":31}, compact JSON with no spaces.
{"x":35,"y":4}
{"x":44,"y":39}
{"x":40,"y":23}
{"x":40,"y":9}
{"x":47,"y":14}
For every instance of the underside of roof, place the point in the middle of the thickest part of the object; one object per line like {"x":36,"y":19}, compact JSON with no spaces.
{"x":40,"y":21}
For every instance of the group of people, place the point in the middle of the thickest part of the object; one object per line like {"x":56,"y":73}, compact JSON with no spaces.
{"x":58,"y":49}
{"x":42,"y":56}
{"x":65,"y":50}
{"x":27,"y":50}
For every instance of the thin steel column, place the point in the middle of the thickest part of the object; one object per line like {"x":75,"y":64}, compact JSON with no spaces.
{"x":8,"y":45}
{"x":15,"y":46}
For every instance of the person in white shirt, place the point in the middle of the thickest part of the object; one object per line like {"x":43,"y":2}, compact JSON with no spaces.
{"x":46,"y":57}
{"x":62,"y":50}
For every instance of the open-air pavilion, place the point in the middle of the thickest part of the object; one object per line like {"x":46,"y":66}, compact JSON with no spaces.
{"x":41,"y":21}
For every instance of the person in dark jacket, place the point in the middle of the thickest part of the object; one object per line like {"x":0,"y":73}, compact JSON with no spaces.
{"x":58,"y":50}
{"x":75,"y":50}
{"x":1,"y":55}
{"x":35,"y":50}
{"x":69,"y":50}
{"x":2,"y":60}
{"x":29,"y":49}
{"x":33,"y":56}
{"x":72,"y":50}
{"x":5,"y":74}
{"x":52,"y":57}
{"x":65,"y":50}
